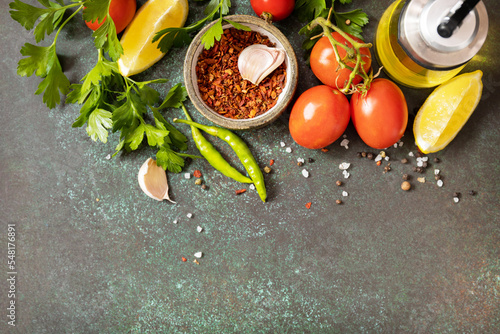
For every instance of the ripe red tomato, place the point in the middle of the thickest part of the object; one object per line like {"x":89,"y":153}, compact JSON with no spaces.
{"x":325,"y":66}
{"x":279,"y":9}
{"x":380,"y":117}
{"x":121,"y":11}
{"x":319,"y":117}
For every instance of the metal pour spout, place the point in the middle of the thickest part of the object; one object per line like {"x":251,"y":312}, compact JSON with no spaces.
{"x":450,"y":23}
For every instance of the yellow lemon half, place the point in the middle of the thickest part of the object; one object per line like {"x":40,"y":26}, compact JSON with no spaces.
{"x":446,"y":111}
{"x":139,"y":53}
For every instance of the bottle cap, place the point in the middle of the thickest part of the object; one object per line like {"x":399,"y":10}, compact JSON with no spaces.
{"x":419,"y":37}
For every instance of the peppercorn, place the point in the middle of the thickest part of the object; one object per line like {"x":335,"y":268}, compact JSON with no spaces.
{"x":198,"y":182}
{"x":204,"y":186}
{"x":472,"y":192}
{"x":338,"y":201}
{"x":406,"y":185}
{"x":436,"y":160}
{"x":338,"y":183}
{"x":363,"y":154}
{"x":310,"y":160}
{"x":419,"y":169}
{"x":404,"y":161}
{"x":387,"y":168}
{"x":406,"y":177}
{"x":299,"y":163}
{"x":369,"y":155}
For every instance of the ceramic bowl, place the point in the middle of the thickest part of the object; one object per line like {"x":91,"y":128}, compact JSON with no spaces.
{"x":284,"y":99}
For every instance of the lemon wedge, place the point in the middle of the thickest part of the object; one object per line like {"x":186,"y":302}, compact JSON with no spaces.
{"x":446,"y":111}
{"x":139,"y":53}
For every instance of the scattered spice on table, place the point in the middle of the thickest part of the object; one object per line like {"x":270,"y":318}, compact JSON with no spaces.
{"x":406,"y":185}
{"x":197,"y":173}
{"x":271,"y":162}
{"x":240,"y":191}
{"x":267,"y":169}
{"x":308,"y":205}
{"x":338,"y":201}
{"x":184,"y":259}
{"x":220,"y":83}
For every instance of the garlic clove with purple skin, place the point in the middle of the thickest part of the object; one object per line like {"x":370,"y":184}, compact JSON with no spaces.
{"x":257,"y":61}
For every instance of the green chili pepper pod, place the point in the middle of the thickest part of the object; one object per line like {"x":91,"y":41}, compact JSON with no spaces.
{"x":213,"y":156}
{"x":242,"y":151}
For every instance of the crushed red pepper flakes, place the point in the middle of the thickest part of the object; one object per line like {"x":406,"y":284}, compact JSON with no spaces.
{"x":324,"y":150}
{"x":271,"y":162}
{"x":379,"y":163}
{"x":308,"y":205}
{"x":240,"y":191}
{"x":197,"y":173}
{"x":184,"y":259}
{"x":220,"y":83}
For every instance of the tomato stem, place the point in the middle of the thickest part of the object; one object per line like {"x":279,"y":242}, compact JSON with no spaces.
{"x":353,"y":54}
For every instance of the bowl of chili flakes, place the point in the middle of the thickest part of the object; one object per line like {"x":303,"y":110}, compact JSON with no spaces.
{"x":216,"y":88}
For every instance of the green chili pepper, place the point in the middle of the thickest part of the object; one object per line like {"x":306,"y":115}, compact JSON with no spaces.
{"x":240,"y":148}
{"x":213,"y":156}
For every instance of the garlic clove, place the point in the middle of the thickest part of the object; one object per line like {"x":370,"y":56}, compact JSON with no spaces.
{"x":153,"y":181}
{"x":257,"y":61}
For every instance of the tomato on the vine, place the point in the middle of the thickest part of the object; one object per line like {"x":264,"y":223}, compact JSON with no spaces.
{"x":381,"y":115}
{"x":319,"y":117}
{"x":121,"y":11}
{"x":279,"y":9}
{"x":325,"y":66}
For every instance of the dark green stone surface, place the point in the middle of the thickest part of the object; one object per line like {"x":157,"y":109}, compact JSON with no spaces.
{"x":95,"y":255}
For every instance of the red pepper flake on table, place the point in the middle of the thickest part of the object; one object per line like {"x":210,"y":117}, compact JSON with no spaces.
{"x":221,"y":85}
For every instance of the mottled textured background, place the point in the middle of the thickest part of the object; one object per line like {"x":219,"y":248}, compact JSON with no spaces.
{"x":95,"y":255}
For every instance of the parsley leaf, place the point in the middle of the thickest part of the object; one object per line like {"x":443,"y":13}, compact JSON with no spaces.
{"x":178,"y":37}
{"x":211,"y":35}
{"x":105,"y":36}
{"x":99,"y":121}
{"x":308,"y":10}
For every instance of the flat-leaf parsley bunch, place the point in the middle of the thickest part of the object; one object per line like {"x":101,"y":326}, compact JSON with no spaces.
{"x":109,"y":101}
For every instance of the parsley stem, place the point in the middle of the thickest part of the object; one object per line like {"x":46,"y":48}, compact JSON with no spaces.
{"x":66,"y":21}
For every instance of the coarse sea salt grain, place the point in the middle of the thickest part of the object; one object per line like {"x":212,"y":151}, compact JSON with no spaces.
{"x":198,"y":254}
{"x":187,"y":175}
{"x":108,"y":157}
{"x":387,"y":158}
{"x":410,"y":154}
{"x":420,"y":163}
{"x":189,"y":215}
{"x":199,"y":229}
{"x":346,"y":174}
{"x":175,"y":221}
{"x":345,"y":194}
{"x":440,"y":183}
{"x":456,"y":199}
{"x":300,"y":160}
{"x":288,"y":150}
{"x":252,"y":186}
{"x":282,"y":144}
{"x":400,"y":143}
{"x":436,"y":171}
{"x":305,"y":173}
{"x":345,"y":143}
{"x":378,"y":157}
{"x":344,"y":165}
